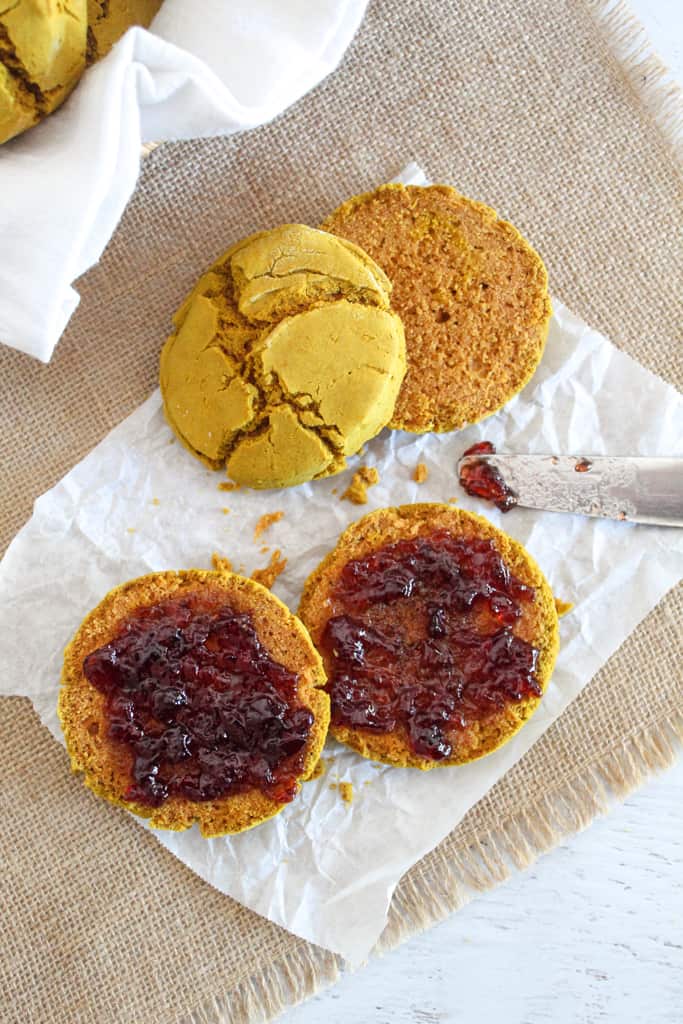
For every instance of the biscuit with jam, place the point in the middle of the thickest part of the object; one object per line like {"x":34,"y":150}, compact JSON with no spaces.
{"x":194,"y":697}
{"x":472,"y":294}
{"x":438,"y":634}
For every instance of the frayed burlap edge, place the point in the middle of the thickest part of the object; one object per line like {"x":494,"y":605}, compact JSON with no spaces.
{"x":647,"y":76}
{"x":271,"y":991}
{"x":422,"y":901}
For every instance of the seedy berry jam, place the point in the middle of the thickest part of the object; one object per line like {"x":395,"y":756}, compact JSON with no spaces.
{"x":481,"y":480}
{"x":200,"y":704}
{"x":422,"y":635}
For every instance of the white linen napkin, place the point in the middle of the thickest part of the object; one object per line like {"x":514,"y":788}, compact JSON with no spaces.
{"x":211,"y":69}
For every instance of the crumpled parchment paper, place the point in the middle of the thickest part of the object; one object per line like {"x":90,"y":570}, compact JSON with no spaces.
{"x":323,"y":868}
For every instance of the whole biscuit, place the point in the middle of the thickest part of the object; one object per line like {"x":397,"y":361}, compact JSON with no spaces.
{"x":472,"y":294}
{"x":106,"y":765}
{"x":538,"y":625}
{"x":285,"y":358}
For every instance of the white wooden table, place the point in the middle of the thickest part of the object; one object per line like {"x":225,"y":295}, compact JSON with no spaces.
{"x":593,"y":933}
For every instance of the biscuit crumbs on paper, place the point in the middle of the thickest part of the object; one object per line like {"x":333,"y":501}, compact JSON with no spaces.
{"x":357,"y":491}
{"x":420,"y":473}
{"x":562,"y":607}
{"x":318,"y":771}
{"x":267,"y":576}
{"x":155,"y":501}
{"x":266,"y":521}
{"x":228,"y":485}
{"x":346,"y":792}
{"x":220,"y":563}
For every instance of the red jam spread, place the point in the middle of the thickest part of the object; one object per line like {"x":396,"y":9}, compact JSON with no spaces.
{"x":482,"y":480}
{"x":422,"y":636}
{"x":200,"y":704}
{"x":582,"y":465}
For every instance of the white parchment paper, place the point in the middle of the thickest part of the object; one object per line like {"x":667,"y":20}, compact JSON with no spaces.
{"x":139,"y":502}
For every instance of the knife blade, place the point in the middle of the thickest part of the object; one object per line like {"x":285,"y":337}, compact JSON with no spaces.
{"x":631,"y":489}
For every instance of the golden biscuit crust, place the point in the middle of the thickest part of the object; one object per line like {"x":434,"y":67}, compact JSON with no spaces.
{"x":285,"y":358}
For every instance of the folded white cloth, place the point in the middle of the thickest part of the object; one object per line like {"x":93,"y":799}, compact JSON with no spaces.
{"x":210,"y":69}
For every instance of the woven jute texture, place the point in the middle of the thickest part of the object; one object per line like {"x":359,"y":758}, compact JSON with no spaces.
{"x":532,"y":107}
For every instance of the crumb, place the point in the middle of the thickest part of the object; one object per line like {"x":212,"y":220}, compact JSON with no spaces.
{"x":452,"y":501}
{"x":346,"y":792}
{"x":270,"y":573}
{"x":265,"y":549}
{"x":368,"y":782}
{"x":333,"y":785}
{"x":357,"y":491}
{"x":334,"y":490}
{"x":225,"y":511}
{"x":265,"y":522}
{"x":563,"y":607}
{"x":318,"y":771}
{"x":228,"y":485}
{"x":155,"y":501}
{"x":221,"y":564}
{"x":421,"y":473}
{"x":130,"y":529}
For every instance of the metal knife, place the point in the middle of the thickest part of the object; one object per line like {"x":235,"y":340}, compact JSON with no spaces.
{"x":631,"y":489}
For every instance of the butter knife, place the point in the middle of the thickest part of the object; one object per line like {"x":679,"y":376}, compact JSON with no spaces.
{"x":630,"y":489}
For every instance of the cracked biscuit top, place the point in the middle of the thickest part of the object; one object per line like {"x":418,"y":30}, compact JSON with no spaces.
{"x":285,"y":358}
{"x":42,"y":56}
{"x":472,"y":294}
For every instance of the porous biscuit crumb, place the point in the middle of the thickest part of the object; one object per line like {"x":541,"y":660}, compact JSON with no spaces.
{"x":421,"y":473}
{"x":563,"y":607}
{"x":220,"y":563}
{"x":472,"y":294}
{"x":225,"y":511}
{"x":266,"y":521}
{"x":357,"y":491}
{"x":155,"y":501}
{"x":267,"y":576}
{"x":228,"y":485}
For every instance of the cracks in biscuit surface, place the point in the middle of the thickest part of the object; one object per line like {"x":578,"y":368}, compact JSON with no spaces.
{"x":256,"y":352}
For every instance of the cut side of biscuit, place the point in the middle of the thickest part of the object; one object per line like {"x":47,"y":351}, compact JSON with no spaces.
{"x":472,"y":294}
{"x":438,"y":634}
{"x":194,"y":697}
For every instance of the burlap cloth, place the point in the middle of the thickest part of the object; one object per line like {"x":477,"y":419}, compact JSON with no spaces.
{"x":530,"y":106}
